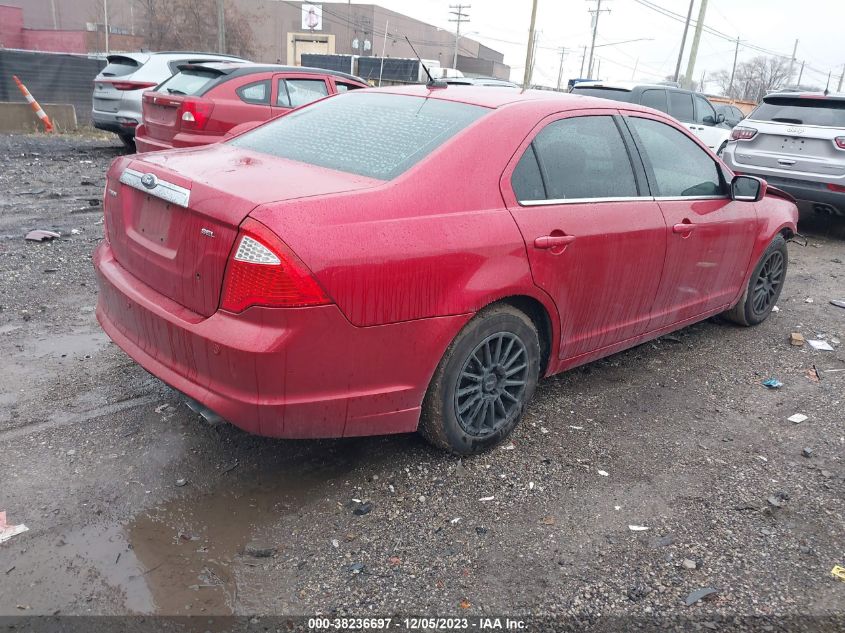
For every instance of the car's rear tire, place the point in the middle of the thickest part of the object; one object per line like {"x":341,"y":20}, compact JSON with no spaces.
{"x":486,"y":377}
{"x":764,"y":286}
{"x":128,"y":141}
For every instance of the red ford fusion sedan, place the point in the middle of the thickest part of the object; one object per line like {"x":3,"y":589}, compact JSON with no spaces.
{"x":417,"y":258}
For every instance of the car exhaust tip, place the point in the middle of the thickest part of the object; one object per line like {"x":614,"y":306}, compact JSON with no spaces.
{"x":207,"y":414}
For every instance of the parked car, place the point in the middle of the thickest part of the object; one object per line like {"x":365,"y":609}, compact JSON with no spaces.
{"x":732,"y":114}
{"x":202,"y":102}
{"x":797,"y":142}
{"x":119,"y":86}
{"x":480,"y":81}
{"x":690,"y":108}
{"x":306,"y":279}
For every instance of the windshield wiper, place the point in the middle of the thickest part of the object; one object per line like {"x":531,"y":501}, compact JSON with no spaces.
{"x":786,"y":120}
{"x":175,"y":91}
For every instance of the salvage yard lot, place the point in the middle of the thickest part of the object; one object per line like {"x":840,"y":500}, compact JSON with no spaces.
{"x":135,"y":505}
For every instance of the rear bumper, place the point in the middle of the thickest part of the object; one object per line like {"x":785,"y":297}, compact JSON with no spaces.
{"x":120,"y":122}
{"x":802,"y":190}
{"x":293,"y":373}
{"x":145,"y":143}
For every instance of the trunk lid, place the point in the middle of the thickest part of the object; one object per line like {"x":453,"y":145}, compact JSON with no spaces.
{"x":162,"y":115}
{"x":106,"y":97}
{"x":177,"y":236}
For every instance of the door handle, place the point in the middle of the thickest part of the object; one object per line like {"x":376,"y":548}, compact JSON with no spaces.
{"x":683,"y":227}
{"x":553,"y":241}
{"x":786,"y":161}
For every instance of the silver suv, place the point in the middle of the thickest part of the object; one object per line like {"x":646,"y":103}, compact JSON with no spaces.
{"x":796,"y":141}
{"x":119,"y":86}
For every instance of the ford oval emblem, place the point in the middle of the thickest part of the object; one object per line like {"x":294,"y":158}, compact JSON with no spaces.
{"x":149,"y":181}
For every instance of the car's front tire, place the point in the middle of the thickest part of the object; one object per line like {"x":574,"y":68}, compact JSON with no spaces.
{"x":764,"y":286}
{"x":486,"y":377}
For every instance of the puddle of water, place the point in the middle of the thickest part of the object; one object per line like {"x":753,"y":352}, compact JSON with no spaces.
{"x":74,"y":345}
{"x":190,"y":547}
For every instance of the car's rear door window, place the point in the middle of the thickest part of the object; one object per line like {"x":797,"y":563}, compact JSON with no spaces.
{"x":654,"y":98}
{"x":344,"y":87}
{"x":294,"y":93}
{"x":680,"y":106}
{"x":257,"y":92}
{"x":801,"y":111}
{"x":616,"y":94}
{"x":577,"y":158}
{"x":376,"y":135}
{"x":678,"y":166}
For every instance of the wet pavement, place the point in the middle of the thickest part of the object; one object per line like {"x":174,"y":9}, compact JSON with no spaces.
{"x":136,"y":505}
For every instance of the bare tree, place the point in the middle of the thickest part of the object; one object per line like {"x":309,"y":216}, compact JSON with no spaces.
{"x":192,"y":25}
{"x":753,"y":78}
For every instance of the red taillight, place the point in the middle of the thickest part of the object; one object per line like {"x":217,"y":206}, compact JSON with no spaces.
{"x":130,"y":85}
{"x":839,"y":141}
{"x":263,"y":271}
{"x":195,"y":113}
{"x":742,"y":133}
{"x":836,"y":188}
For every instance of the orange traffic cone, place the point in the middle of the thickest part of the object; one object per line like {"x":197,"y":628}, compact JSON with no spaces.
{"x":48,"y":126}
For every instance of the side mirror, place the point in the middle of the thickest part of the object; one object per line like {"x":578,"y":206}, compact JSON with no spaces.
{"x":709,"y":120}
{"x":241,"y":128}
{"x":748,"y":188}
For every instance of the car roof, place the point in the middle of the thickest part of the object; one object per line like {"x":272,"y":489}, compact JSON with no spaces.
{"x":625,"y":85}
{"x":832,"y":96}
{"x":497,"y":97}
{"x":236,"y":69}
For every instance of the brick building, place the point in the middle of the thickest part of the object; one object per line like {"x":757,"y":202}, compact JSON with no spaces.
{"x":282,"y":31}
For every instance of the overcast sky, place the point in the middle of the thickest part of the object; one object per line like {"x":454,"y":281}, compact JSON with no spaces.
{"x":769,"y":24}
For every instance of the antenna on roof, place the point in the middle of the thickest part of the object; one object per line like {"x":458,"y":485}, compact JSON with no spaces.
{"x":432,"y":82}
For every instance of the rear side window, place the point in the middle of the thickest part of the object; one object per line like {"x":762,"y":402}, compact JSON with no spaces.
{"x":258,"y":92}
{"x":120,"y":66}
{"x":654,"y":98}
{"x":297,"y":92}
{"x":604,"y":93}
{"x":579,"y":157}
{"x":374,"y":135}
{"x":801,"y":111}
{"x":527,"y":182}
{"x":191,"y":81}
{"x":680,"y":106}
{"x":679,"y":167}
{"x":342,"y":87}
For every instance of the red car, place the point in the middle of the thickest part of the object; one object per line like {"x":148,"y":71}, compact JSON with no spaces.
{"x":201,"y":103}
{"x":394,"y":259}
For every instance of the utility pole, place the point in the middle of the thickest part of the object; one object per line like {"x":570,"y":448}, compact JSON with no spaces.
{"x":560,"y":68}
{"x":733,"y":69}
{"x":529,"y":53}
{"x":106,"y":25}
{"x":221,"y":27}
{"x":800,"y":73}
{"x":598,"y":68}
{"x":841,"y":77}
{"x":383,"y":49}
{"x":792,"y":63}
{"x":460,"y":17}
{"x":583,"y":59}
{"x":595,"y":13}
{"x":55,"y":21}
{"x":683,"y":40}
{"x":702,"y":11}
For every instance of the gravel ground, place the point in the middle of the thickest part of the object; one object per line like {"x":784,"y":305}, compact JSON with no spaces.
{"x":135,"y":505}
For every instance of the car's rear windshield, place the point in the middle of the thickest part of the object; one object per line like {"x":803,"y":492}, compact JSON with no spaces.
{"x":188,"y":82}
{"x":801,"y":111}
{"x":616,"y":94}
{"x":370,"y":134}
{"x":120,"y":66}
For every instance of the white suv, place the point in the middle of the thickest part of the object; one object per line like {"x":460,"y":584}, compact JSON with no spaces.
{"x":690,"y":108}
{"x":119,"y":86}
{"x":796,"y":141}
